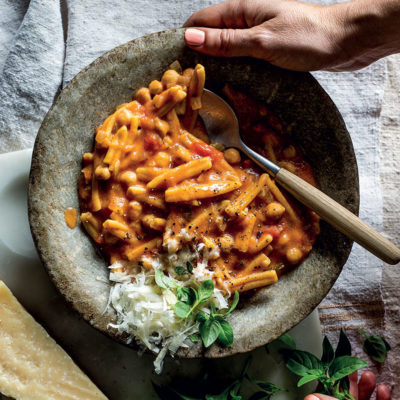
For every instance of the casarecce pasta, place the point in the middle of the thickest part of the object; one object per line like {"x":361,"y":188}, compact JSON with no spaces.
{"x":154,"y":185}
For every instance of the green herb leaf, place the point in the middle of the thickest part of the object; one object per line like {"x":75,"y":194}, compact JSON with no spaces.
{"x":268,"y":388}
{"x":306,"y":379}
{"x":287,"y":341}
{"x":226,"y":333}
{"x":189,"y":267}
{"x":186,"y":295}
{"x":235,"y":302}
{"x":376,"y":347}
{"x":180,"y":270}
{"x":205,"y":291}
{"x":209,"y":331}
{"x":163,"y":281}
{"x":344,"y":366}
{"x":328,"y":353}
{"x":182,"y":310}
{"x":201,"y":317}
{"x":344,"y":346}
{"x":194,"y":338}
{"x":303,"y":363}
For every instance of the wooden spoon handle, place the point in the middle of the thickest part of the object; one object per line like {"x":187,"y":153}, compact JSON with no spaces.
{"x":339,"y":217}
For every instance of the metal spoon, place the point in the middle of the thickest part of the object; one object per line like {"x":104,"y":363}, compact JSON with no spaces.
{"x":222,"y":126}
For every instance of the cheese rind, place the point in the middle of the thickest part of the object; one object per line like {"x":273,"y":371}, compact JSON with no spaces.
{"x":32,"y":365}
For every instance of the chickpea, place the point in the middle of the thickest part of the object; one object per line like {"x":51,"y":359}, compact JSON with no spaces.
{"x":232,"y":156}
{"x":102,"y":173}
{"x":170,"y":78}
{"x":128,"y":177}
{"x":283,"y":239}
{"x":143,"y":95}
{"x":87,"y":158}
{"x":275,"y":210}
{"x":225,"y":242}
{"x":289,"y":152}
{"x":162,"y":159}
{"x":155,"y":87}
{"x":134,"y":210}
{"x":294,"y":255}
{"x":124,"y":117}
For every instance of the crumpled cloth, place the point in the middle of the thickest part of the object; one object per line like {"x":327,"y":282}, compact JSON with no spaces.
{"x":44,"y":43}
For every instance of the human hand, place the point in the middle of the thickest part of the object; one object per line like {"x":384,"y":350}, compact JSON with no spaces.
{"x":361,"y":390}
{"x":297,"y":35}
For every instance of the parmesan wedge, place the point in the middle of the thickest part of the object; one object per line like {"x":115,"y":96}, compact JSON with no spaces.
{"x":32,"y":365}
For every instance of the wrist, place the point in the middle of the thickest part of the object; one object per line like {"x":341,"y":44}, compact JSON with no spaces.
{"x":367,"y":29}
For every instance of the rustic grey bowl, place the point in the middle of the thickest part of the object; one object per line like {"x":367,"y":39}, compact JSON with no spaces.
{"x":69,"y":257}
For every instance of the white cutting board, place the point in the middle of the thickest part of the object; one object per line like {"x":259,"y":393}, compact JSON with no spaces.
{"x":118,"y":370}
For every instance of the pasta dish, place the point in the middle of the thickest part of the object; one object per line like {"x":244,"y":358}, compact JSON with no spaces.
{"x":155,"y":195}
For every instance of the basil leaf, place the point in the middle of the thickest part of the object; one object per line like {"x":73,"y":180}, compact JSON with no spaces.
{"x":163,"y":281}
{"x":344,"y":366}
{"x":225,"y":336}
{"x":287,"y":340}
{"x":194,"y":338}
{"x":376,"y":347}
{"x":180,"y":270}
{"x":234,"y":392}
{"x":201,"y":317}
{"x":189,"y":267}
{"x":305,"y":379}
{"x":328,"y":353}
{"x":302,"y":363}
{"x":268,"y":388}
{"x":235,"y":302}
{"x":186,"y":295}
{"x":182,"y":310}
{"x":206,"y":289}
{"x":209,"y":331}
{"x":228,"y":393}
{"x":344,"y":346}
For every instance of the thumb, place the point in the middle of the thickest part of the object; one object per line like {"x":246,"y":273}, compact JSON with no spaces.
{"x":222,"y":42}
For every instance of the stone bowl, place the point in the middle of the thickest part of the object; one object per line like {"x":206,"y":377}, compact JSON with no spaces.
{"x":79,"y":271}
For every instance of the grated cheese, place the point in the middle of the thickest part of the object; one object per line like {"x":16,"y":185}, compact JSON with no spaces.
{"x":146,"y":312}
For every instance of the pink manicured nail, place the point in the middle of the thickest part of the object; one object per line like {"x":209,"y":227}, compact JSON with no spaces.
{"x":194,"y":37}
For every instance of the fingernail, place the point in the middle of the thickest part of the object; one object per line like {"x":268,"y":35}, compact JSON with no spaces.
{"x":194,"y":37}
{"x":312,"y":397}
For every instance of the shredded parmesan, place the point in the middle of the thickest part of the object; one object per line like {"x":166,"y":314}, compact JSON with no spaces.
{"x":146,"y":312}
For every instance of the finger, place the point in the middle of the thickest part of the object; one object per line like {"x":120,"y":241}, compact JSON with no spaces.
{"x":234,"y":14}
{"x":222,"y":42}
{"x":219,"y":15}
{"x":366,"y":385}
{"x":317,"y":396}
{"x":353,"y":378}
{"x":383,"y":393}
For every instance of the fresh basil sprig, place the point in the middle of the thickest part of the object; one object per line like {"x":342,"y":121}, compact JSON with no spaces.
{"x":190,"y":298}
{"x":330,"y":371}
{"x":375,"y":346}
{"x":214,"y":327}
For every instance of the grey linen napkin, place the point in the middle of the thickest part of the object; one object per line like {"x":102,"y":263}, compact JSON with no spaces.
{"x":34,"y":68}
